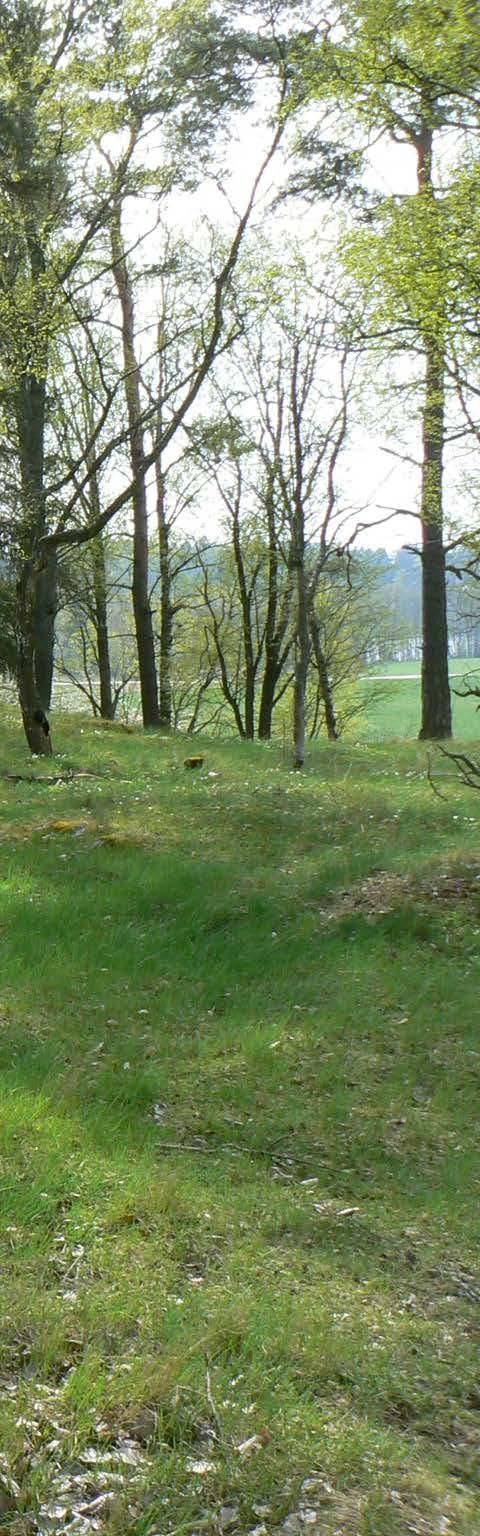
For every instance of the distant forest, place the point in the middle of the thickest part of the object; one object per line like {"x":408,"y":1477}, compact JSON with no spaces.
{"x":400,"y":586}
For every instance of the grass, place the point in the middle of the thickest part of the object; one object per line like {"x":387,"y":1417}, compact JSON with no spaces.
{"x":238,"y":1141}
{"x":393,"y":707}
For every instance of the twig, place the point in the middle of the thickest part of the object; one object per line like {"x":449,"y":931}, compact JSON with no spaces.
{"x":467,"y":767}
{"x":431,"y":780}
{"x":212,"y":1405}
{"x":236,"y":1151}
{"x":48,"y":778}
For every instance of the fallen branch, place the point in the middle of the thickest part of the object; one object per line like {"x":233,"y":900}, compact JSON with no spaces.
{"x":431,"y":780}
{"x":469,"y":770}
{"x":49,"y":778}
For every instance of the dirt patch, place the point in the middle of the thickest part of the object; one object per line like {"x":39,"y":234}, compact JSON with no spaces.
{"x":384,"y":891}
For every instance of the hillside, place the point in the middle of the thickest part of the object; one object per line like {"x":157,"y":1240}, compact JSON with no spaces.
{"x":239,"y":1141}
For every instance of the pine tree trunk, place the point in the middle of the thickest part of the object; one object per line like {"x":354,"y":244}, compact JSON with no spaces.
{"x":140,"y":581}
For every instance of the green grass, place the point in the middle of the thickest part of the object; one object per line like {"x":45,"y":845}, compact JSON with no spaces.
{"x":392,"y":708}
{"x":238,"y":1141}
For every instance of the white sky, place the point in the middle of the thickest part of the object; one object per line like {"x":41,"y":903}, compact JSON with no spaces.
{"x":373,"y":480}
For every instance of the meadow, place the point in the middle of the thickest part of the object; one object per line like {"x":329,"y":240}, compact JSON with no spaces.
{"x":239,"y":1139}
{"x":391,"y":697}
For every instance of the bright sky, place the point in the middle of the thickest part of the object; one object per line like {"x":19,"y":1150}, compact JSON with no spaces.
{"x":373,"y":479}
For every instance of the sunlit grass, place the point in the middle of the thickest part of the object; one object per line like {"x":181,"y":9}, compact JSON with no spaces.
{"x":238,"y":1136}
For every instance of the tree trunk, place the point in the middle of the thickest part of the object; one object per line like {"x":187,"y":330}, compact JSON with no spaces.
{"x":302,"y":645}
{"x":36,"y":725}
{"x":31,"y":586}
{"x":140,"y":582}
{"x":436,"y":701}
{"x":107,"y":707}
{"x":267,"y":699}
{"x":44,"y":627}
{"x":297,"y":568}
{"x":324,"y":680}
{"x":246,"y":607}
{"x":275,"y":624}
{"x":166,"y":604}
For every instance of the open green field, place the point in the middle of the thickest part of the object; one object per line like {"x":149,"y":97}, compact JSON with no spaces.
{"x":391,"y":696}
{"x":239,"y":1173}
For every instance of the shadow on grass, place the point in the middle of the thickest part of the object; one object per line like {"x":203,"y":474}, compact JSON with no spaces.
{"x":132,"y":978}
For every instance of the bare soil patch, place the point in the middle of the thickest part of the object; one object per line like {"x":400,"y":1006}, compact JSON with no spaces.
{"x":385,"y":891}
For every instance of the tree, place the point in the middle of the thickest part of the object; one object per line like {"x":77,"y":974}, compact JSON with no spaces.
{"x":95,"y":637}
{"x":272,"y":451}
{"x":304,"y":372}
{"x":411,"y":69}
{"x":70,"y":72}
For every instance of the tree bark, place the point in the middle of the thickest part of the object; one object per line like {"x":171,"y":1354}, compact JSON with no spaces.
{"x":436,"y":722}
{"x":323,"y":679}
{"x":167,"y":610}
{"x":436,"y":700}
{"x":276,"y":623}
{"x":140,"y":581}
{"x":302,"y":650}
{"x":36,"y":725}
{"x":30,"y":404}
{"x":44,"y":627}
{"x":107,"y":706}
{"x":297,"y":566}
{"x":246,"y":607}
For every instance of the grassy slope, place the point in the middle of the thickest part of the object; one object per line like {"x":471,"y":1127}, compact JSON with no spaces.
{"x":183,"y":942}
